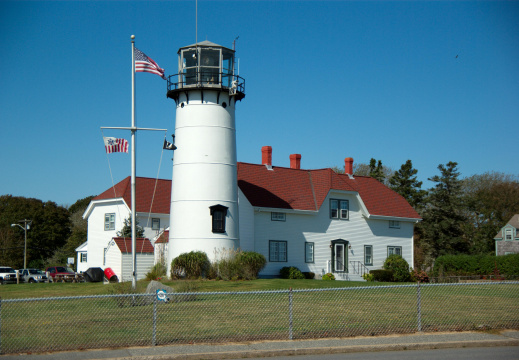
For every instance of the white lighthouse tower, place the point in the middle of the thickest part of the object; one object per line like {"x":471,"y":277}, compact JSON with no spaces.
{"x":204,"y":194}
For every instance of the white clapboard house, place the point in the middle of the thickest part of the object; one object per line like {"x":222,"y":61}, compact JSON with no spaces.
{"x":316,"y":220}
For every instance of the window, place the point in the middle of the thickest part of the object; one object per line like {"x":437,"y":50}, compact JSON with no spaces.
{"x":218,"y":213}
{"x":368,"y":254}
{"x":309,"y":252}
{"x":508,"y":234}
{"x":109,"y":221}
{"x":394,"y":224}
{"x":83,"y":257}
{"x":277,"y":216}
{"x":155,"y":224}
{"x":339,"y":209}
{"x":391,"y":250}
{"x":277,"y":251}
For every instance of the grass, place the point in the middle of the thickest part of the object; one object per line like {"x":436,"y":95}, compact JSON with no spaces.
{"x":25,"y":291}
{"x":348,"y":311}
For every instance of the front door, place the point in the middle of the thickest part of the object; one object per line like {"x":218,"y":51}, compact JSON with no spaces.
{"x":339,"y":256}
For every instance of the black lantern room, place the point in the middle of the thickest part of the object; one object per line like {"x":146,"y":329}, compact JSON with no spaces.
{"x":206,"y":65}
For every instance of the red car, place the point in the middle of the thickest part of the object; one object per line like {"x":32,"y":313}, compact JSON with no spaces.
{"x":62,"y":273}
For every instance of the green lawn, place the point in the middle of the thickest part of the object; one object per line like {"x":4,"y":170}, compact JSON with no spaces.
{"x":23,"y":291}
{"x":212,"y":316}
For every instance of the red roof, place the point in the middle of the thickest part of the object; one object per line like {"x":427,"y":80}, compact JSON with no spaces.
{"x":282,"y":188}
{"x":144,"y":188}
{"x":287,"y":188}
{"x":163,"y":238}
{"x":142,"y":245}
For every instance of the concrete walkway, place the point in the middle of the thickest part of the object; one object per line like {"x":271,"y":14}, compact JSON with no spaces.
{"x":285,"y":348}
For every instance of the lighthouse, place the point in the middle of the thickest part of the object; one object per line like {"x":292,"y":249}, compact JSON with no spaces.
{"x":204,"y":193}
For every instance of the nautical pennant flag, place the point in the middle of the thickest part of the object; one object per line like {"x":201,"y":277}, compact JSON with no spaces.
{"x":168,"y":146}
{"x":146,"y":64}
{"x":115,"y":145}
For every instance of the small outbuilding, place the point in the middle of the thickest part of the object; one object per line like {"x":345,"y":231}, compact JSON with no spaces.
{"x":118,"y":257}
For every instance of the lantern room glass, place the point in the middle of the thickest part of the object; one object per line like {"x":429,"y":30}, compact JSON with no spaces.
{"x":206,"y":67}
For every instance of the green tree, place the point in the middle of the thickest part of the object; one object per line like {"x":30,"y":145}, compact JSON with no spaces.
{"x":491,"y":199}
{"x":405,"y":182}
{"x":376,"y":170}
{"x":126,"y":231}
{"x":443,"y":217}
{"x":49,"y":229}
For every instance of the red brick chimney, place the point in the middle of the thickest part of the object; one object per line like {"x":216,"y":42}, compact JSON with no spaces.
{"x":295,"y":161}
{"x":348,"y":165}
{"x":266,"y":155}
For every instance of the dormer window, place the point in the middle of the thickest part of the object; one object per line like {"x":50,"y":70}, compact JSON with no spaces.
{"x":339,"y":209}
{"x":218,"y":214}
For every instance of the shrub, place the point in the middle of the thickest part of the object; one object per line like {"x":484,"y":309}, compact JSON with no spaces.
{"x":399,"y":267}
{"x":328,"y":276}
{"x":157,"y":271}
{"x":382,"y":275}
{"x":192,"y":265}
{"x":309,"y":275}
{"x":291,"y":272}
{"x":251,"y":263}
{"x":228,"y":268}
{"x":419,"y":276}
{"x":368,"y":277}
{"x":464,"y":265}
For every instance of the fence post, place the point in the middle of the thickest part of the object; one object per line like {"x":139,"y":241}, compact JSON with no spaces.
{"x":154,"y":336}
{"x":0,"y":325}
{"x":419,"y":306}
{"x":290,"y":333}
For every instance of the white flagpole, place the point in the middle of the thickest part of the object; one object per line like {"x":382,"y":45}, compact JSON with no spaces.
{"x":134,"y":165}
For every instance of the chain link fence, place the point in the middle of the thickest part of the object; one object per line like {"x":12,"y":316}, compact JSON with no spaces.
{"x":82,"y":322}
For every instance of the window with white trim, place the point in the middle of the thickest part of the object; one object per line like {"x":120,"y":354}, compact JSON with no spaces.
{"x":278,"y":216}
{"x":309,"y":252}
{"x":339,"y":209}
{"x":277,"y":251}
{"x":394,"y":250}
{"x":83,"y":257}
{"x":155,"y":224}
{"x":109,"y":222}
{"x":394,"y":224}
{"x":508,"y":234}
{"x":368,"y":254}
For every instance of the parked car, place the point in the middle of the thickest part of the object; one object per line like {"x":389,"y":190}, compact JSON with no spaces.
{"x":63,"y":274}
{"x":7,"y":275}
{"x":32,"y":276}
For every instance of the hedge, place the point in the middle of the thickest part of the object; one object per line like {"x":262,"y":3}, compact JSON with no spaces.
{"x":382,"y":275}
{"x":466,"y":265}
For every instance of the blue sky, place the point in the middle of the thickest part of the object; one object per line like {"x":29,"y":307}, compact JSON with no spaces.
{"x":428,"y":81}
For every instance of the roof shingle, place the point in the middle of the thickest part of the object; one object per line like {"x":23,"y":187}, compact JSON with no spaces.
{"x":281,"y":188}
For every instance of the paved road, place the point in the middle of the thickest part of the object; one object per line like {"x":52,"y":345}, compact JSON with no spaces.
{"x":369,"y":347}
{"x":485,"y":353}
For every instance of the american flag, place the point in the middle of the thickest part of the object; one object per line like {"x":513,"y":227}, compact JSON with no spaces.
{"x":115,"y":145}
{"x":146,"y":64}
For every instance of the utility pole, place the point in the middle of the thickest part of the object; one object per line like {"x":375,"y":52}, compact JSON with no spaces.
{"x":26,"y":226}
